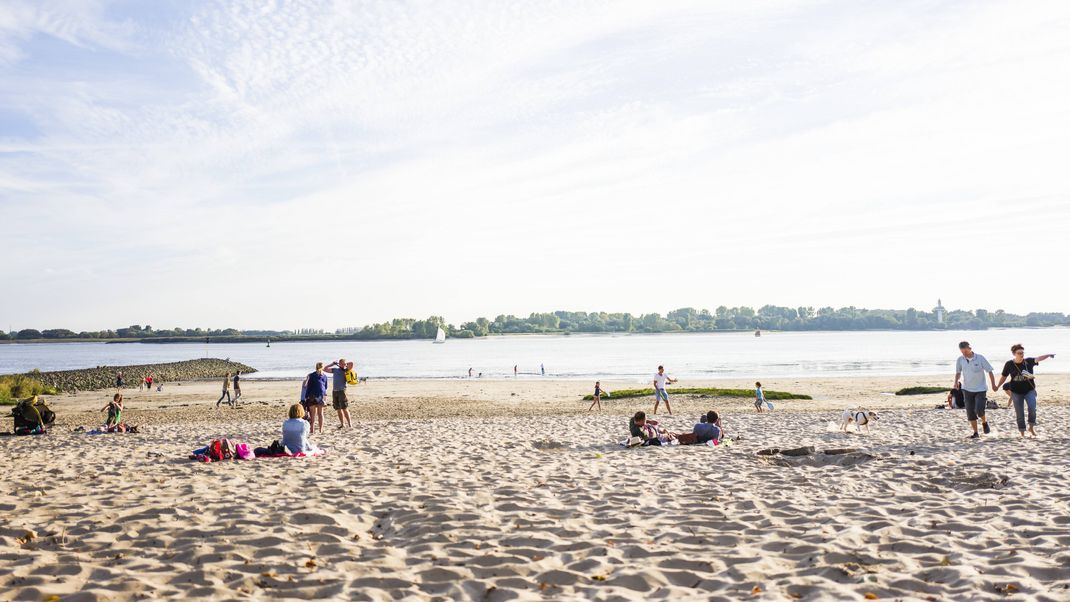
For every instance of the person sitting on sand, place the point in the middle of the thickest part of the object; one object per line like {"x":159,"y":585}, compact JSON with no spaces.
{"x":955,"y":398}
{"x":708,"y":428}
{"x":295,"y":431}
{"x":649,"y":431}
{"x":115,"y":411}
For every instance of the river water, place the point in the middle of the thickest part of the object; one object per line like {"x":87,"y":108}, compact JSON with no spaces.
{"x":625,"y":356}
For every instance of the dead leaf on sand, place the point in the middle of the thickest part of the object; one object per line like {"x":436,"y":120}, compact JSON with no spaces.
{"x":756,"y":590}
{"x":311,"y":563}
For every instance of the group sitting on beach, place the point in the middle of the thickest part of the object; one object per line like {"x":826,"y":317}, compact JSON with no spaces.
{"x":646,"y":432}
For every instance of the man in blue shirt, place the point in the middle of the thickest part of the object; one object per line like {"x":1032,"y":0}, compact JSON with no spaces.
{"x":970,"y":368}
{"x":708,"y":428}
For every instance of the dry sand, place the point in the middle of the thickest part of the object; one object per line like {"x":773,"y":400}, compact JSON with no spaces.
{"x":508,"y":489}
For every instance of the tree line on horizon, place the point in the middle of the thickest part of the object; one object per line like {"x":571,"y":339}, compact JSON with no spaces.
{"x":686,"y":319}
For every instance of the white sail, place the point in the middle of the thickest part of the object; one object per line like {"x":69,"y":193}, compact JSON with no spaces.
{"x":440,"y":336}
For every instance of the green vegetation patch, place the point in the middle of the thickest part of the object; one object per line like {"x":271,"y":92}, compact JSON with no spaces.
{"x":18,"y":386}
{"x":921,"y":390}
{"x":713,"y":392}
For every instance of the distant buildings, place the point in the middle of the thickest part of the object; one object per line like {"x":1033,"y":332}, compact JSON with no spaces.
{"x":939,"y":311}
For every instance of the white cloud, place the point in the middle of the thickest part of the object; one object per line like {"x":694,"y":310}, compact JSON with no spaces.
{"x":509,"y":155}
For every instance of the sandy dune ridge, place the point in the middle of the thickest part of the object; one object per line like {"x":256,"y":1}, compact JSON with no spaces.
{"x":520,"y":503}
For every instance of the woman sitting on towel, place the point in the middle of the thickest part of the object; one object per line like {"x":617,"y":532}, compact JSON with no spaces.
{"x":295,"y":432}
{"x":115,"y":411}
{"x":648,"y":430}
{"x":708,"y":428}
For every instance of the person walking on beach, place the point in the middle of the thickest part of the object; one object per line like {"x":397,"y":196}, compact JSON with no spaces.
{"x":970,"y":369}
{"x":514,"y":370}
{"x":226,"y":392}
{"x":660,"y":380}
{"x":237,"y":386}
{"x":597,"y":396}
{"x":339,"y":401}
{"x":542,"y":369}
{"x":1023,"y":386}
{"x":315,"y":390}
{"x":119,"y":382}
{"x":469,"y":373}
{"x":759,"y":398}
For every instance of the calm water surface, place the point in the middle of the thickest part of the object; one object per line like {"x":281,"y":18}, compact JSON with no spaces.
{"x":715,"y":355}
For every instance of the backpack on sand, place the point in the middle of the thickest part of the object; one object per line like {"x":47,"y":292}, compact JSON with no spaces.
{"x":220,"y":449}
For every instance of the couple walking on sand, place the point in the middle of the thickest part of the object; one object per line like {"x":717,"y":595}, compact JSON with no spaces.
{"x":971,"y":369}
{"x":314,"y":392}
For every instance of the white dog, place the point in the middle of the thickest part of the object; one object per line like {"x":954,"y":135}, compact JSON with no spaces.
{"x":859,"y":417}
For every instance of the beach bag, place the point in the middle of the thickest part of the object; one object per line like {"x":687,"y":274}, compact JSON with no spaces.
{"x":220,"y":449}
{"x":277,"y":448}
{"x":351,"y":377}
{"x":243,"y":452}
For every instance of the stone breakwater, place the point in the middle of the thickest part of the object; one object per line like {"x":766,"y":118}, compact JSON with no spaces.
{"x":103,"y":377}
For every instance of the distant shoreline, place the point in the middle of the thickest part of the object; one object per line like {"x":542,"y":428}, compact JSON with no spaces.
{"x":349,"y":339}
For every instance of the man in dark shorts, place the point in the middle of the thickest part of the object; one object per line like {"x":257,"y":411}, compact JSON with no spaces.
{"x":339,"y":401}
{"x":970,"y":368}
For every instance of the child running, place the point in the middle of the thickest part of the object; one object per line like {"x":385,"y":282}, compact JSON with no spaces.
{"x":759,"y":398}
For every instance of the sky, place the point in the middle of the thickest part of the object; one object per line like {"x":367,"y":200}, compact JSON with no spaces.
{"x":310,"y":164}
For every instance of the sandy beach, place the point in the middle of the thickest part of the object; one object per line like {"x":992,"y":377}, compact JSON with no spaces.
{"x":510,"y":490}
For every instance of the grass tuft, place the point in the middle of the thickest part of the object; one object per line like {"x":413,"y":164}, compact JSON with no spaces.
{"x":921,"y":390}
{"x":770,"y":395}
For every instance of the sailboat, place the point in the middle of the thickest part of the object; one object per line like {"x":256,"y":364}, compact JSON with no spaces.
{"x":440,"y":336}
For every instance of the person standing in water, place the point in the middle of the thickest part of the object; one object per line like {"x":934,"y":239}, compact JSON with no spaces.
{"x":1023,"y":388}
{"x":226,"y":392}
{"x":542,"y":369}
{"x":970,"y":368}
{"x":660,"y":380}
{"x":515,"y":372}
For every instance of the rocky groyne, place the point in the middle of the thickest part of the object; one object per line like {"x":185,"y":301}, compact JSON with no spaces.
{"x":103,"y":377}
